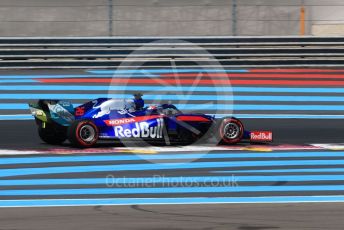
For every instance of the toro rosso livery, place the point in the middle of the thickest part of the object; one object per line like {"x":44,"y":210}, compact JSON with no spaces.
{"x":123,"y":119}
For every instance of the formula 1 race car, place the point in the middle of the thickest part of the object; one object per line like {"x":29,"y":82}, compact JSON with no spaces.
{"x":119,"y":119}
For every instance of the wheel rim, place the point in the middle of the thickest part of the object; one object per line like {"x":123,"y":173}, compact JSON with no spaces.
{"x":87,"y":133}
{"x":231,"y":131}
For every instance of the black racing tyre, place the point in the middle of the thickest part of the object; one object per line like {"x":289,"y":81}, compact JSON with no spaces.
{"x":231,"y":131}
{"x":52,"y":134}
{"x":83,"y":134}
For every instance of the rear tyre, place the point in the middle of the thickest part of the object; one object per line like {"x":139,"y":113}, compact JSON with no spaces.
{"x":52,"y":134}
{"x":83,"y":134}
{"x":231,"y":131}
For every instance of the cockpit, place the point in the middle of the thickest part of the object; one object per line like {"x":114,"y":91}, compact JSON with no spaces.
{"x":130,"y":106}
{"x":116,"y":104}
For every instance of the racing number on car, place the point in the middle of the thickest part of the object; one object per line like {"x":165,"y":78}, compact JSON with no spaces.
{"x":80,"y":111}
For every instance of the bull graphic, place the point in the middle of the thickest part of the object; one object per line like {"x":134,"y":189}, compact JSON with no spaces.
{"x":105,"y":108}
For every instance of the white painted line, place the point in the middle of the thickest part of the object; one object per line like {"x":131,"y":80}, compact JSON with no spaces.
{"x":168,"y":201}
{"x":173,"y":149}
{"x":5,"y":152}
{"x":334,"y":146}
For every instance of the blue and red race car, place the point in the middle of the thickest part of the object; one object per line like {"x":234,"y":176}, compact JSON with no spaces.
{"x":120,"y":119}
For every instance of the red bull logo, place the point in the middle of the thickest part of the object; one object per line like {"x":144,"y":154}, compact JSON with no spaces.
{"x":141,"y":130}
{"x":265,"y":136}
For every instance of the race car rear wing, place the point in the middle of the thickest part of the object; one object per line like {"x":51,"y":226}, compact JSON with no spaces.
{"x":59,"y":111}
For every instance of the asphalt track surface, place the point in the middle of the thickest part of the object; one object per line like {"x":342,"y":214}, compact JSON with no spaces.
{"x":318,"y":216}
{"x":23,"y":134}
{"x":255,"y":187}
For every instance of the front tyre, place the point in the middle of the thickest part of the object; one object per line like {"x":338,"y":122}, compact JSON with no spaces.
{"x":231,"y":131}
{"x":83,"y":134}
